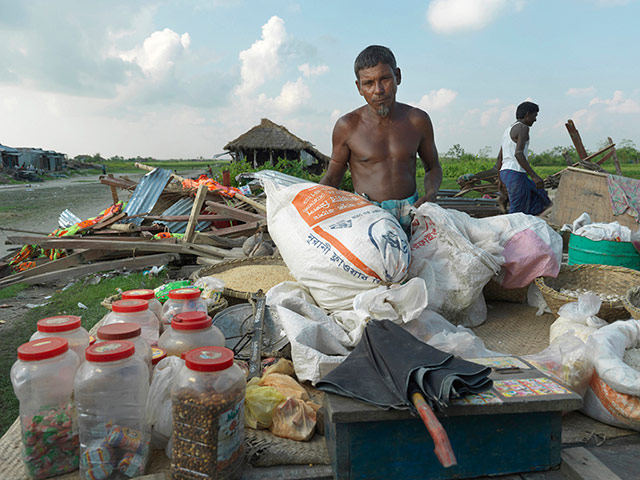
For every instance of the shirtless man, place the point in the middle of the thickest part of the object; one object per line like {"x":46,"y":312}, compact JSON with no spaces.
{"x":380,"y":140}
{"x":526,"y":195}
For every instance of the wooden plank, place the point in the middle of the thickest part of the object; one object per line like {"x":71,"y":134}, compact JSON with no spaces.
{"x":138,"y":262}
{"x":109,"y":221}
{"x":114,"y":191}
{"x":247,"y":228}
{"x":216,"y":241}
{"x":580,"y":464}
{"x":616,"y":162}
{"x":233,"y":212}
{"x":602,"y":150}
{"x":575,"y":138}
{"x":86,"y":243}
{"x":203,"y":217}
{"x":253,"y":203}
{"x":195,"y":211}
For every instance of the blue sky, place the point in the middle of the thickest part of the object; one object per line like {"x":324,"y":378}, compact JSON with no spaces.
{"x":181,"y":78}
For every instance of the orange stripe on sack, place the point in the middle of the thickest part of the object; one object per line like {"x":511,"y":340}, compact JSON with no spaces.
{"x":345,"y":252}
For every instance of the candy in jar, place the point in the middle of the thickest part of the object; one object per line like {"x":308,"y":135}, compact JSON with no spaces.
{"x":42,"y":379}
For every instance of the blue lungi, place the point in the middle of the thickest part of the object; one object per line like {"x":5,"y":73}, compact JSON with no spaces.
{"x":524,"y":196}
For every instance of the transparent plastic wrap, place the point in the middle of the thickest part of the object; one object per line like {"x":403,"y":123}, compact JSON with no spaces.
{"x":159,"y":402}
{"x":578,"y":316}
{"x":260,"y":403}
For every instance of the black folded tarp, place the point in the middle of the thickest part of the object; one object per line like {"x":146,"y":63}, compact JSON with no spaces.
{"x":389,"y":362}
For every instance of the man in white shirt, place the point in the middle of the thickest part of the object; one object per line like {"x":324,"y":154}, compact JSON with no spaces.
{"x":526,"y":195}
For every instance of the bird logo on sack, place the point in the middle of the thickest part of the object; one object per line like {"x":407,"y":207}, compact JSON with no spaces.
{"x":341,"y":224}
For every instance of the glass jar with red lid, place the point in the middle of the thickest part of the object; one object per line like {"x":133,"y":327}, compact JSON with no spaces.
{"x":64,"y":326}
{"x":127,"y":331}
{"x":111,"y":390}
{"x":208,"y":392}
{"x":42,"y":379}
{"x":135,"y":311}
{"x":180,"y":300}
{"x":145,"y":294}
{"x":190,"y":330}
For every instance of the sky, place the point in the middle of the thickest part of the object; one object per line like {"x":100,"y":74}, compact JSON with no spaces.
{"x":182,"y":78}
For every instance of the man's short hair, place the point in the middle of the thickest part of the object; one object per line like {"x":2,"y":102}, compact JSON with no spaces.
{"x":372,"y":56}
{"x":524,"y":108}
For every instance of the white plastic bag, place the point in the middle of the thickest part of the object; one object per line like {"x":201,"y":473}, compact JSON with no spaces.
{"x":159,"y":400}
{"x":536,"y":300}
{"x":578,"y":316}
{"x":335,"y":243}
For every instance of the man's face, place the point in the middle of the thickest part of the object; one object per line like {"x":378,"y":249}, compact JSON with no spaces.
{"x":378,"y":85}
{"x":530,"y":118}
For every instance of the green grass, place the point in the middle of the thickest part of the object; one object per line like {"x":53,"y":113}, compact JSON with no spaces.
{"x":12,"y":291}
{"x":62,"y":303}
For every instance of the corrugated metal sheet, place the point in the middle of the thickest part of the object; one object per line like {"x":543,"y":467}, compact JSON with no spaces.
{"x":66,"y":219}
{"x":147,"y":193}
{"x":181,"y":207}
{"x":276,"y":177}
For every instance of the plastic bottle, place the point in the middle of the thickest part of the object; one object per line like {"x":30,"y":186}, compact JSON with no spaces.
{"x":135,"y":311}
{"x":190,"y":330}
{"x":111,"y":390}
{"x":64,"y":326}
{"x":145,"y":294}
{"x":130,"y":332}
{"x":182,"y":300}
{"x":208,"y":416}
{"x":42,"y":379}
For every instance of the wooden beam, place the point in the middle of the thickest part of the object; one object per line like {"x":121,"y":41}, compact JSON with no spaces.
{"x":233,"y":212}
{"x":86,"y":243}
{"x":575,"y":138}
{"x":616,"y":162}
{"x":185,"y":218}
{"x":580,"y":464}
{"x":238,"y":229}
{"x":253,"y":203}
{"x":602,"y":150}
{"x":108,"y":221}
{"x":114,"y":191}
{"x":195,"y":211}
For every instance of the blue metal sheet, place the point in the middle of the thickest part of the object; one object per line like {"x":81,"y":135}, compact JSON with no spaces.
{"x":147,"y":193}
{"x":181,"y":207}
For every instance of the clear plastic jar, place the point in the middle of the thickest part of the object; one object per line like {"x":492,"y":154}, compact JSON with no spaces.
{"x":127,"y":331}
{"x":182,"y":300}
{"x":145,"y":294}
{"x":111,"y":390}
{"x":64,"y":326}
{"x":208,"y":416}
{"x":190,"y":330}
{"x":135,"y":311}
{"x":42,"y":379}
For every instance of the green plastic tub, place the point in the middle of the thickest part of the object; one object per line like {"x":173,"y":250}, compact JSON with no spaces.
{"x":604,"y":252}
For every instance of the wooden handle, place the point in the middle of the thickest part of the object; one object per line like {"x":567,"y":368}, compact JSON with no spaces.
{"x":442,"y":449}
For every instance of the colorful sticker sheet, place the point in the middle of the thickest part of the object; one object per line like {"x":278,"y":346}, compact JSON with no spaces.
{"x":485,"y":398}
{"x":529,"y":387}
{"x":499,"y":363}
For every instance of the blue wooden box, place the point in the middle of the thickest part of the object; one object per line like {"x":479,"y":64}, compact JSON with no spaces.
{"x":514,"y":428}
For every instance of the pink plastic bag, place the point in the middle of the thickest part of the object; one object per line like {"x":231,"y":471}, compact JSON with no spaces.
{"x":526,"y":257}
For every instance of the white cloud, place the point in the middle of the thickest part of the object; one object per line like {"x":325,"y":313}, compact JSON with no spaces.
{"x":261,"y":60}
{"x":581,"y":92}
{"x":493,"y":101}
{"x":487,"y":116}
{"x":158,"y":53}
{"x":507,"y":115}
{"x":584,"y":119}
{"x":309,"y":71}
{"x":292,"y":95}
{"x":437,"y":99}
{"x":618,"y":103}
{"x":335,"y":115}
{"x":452,"y":16}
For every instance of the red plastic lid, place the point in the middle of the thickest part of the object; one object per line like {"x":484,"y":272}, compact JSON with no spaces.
{"x":157,"y":354}
{"x":130,"y":306}
{"x":191,"y":321}
{"x":43,"y":348}
{"x":141,"y":293}
{"x":209,"y":359}
{"x":61,"y":323}
{"x":110,"y":351}
{"x":119,"y":331}
{"x":186,"y":293}
{"x":92,"y":339}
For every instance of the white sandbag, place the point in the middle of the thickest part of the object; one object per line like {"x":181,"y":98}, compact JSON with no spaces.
{"x":335,"y":243}
{"x":579,"y":317}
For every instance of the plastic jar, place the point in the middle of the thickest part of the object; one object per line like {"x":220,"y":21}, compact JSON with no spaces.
{"x":182,"y":300}
{"x":145,"y":294}
{"x":42,"y":379}
{"x":111,"y":390}
{"x":127,"y":331}
{"x":135,"y":311}
{"x":208,"y":416}
{"x":190,"y":330}
{"x":64,"y":326}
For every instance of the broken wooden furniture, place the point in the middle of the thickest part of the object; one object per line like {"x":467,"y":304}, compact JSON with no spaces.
{"x":515,"y":427}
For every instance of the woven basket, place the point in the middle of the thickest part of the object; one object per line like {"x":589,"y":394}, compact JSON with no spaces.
{"x":631,"y":302}
{"x":603,"y":279}
{"x":496,"y":292}
{"x":236,"y":296}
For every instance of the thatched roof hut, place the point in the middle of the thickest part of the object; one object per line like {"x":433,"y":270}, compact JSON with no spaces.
{"x":267,"y":142}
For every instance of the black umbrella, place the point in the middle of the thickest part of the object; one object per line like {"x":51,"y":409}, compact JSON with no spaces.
{"x":391,"y":368}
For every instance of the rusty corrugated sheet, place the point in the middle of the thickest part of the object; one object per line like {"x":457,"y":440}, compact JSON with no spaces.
{"x":181,"y":207}
{"x":147,"y":193}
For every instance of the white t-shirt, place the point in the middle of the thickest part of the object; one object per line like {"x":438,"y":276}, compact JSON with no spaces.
{"x":509,"y":161}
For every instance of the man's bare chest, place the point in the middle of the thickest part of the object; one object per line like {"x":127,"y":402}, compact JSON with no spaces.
{"x":373,"y":145}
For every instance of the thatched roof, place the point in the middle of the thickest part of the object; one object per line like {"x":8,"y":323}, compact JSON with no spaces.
{"x":269,"y":135}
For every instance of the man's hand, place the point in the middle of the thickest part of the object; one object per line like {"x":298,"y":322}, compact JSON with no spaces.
{"x":424,"y":199}
{"x":537,"y":180}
